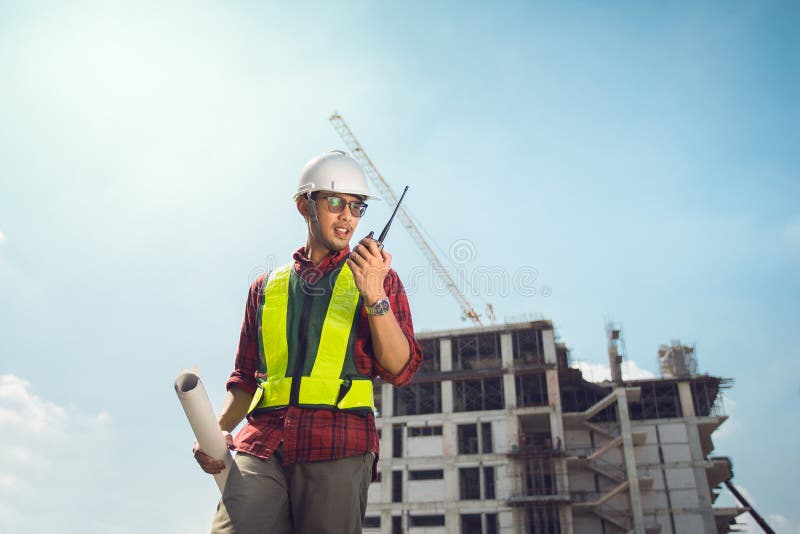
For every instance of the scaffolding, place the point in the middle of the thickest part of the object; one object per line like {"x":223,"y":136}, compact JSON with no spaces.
{"x":416,"y":399}
{"x":677,"y":360}
{"x":707,"y":395}
{"x":659,"y":400}
{"x":531,"y":389}
{"x":476,"y":352}
{"x":477,"y":395}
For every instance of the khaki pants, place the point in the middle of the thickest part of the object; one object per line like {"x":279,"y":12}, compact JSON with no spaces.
{"x":265,"y":497}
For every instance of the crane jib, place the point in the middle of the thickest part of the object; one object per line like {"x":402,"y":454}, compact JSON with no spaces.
{"x":387,"y":194}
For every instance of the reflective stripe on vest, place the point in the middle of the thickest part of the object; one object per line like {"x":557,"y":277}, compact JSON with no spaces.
{"x":324,"y":385}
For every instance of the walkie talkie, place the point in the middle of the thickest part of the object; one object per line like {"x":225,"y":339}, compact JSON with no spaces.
{"x":388,"y":224}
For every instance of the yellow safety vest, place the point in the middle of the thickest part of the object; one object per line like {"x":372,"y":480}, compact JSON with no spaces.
{"x":306,"y":348}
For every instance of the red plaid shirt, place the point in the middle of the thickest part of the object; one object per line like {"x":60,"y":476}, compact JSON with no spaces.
{"x":307,"y":434}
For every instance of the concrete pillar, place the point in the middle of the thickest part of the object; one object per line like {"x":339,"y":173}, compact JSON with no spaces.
{"x":565,"y":518}
{"x":512,"y":431}
{"x":385,"y":421}
{"x":387,"y":400}
{"x":556,"y":434}
{"x":451,"y":517}
{"x":557,"y":426}
{"x":505,"y":521}
{"x":386,"y":522}
{"x":687,"y":401}
{"x":449,"y":437}
{"x":509,"y":391}
{"x":553,"y":390}
{"x":507,"y":358}
{"x":701,"y":479}
{"x":506,"y":350}
{"x":446,"y":354}
{"x":630,"y":460}
{"x":549,"y":341}
{"x":449,"y":434}
{"x":386,"y":488}
{"x":447,"y":396}
{"x":554,"y":401}
{"x":451,"y":484}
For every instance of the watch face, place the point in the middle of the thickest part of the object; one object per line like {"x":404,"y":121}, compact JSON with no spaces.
{"x":380,"y":307}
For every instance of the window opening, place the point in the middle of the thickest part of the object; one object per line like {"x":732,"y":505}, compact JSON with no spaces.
{"x":486,"y":437}
{"x":469,"y":483}
{"x":418,"y":431}
{"x":431,"y":356}
{"x":397,"y":486}
{"x":528,"y":346}
{"x":488,"y":483}
{"x":467,"y":439}
{"x":474,"y":395}
{"x":397,"y":441}
{"x":415,"y":399}
{"x":531,"y":389}
{"x":426,"y":474}
{"x":372,"y":521}
{"x":426,"y":520}
{"x":481,"y":351}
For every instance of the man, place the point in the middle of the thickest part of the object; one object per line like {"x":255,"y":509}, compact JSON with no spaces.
{"x":315,"y":333}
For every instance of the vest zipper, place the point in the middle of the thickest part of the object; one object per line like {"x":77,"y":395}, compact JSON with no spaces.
{"x":300,"y":363}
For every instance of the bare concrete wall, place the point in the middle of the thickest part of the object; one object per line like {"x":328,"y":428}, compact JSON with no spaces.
{"x":673,"y":433}
{"x":427,"y":530}
{"x":680,"y":478}
{"x":689,"y":523}
{"x":647,"y":454}
{"x":684,"y":498}
{"x":676,"y":453}
{"x":587,"y":524}
{"x":374,"y":493}
{"x":425,"y":446}
{"x":581,"y":480}
{"x":426,"y":490}
{"x":500,"y":436}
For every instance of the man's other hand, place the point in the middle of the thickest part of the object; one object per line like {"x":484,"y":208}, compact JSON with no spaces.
{"x":207,"y":463}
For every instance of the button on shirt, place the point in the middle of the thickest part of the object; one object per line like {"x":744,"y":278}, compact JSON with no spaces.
{"x":311,"y":434}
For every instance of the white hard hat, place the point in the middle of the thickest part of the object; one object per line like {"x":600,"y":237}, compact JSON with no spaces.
{"x":333,"y":171}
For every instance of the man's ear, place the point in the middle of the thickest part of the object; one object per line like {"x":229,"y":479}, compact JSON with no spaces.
{"x":302,"y":206}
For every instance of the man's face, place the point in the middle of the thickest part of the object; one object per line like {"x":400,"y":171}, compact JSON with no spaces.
{"x":335,"y":229}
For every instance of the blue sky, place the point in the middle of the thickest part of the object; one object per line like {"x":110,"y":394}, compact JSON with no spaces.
{"x":642,"y":158}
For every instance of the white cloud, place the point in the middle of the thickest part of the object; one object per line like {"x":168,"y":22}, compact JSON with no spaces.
{"x":51,"y":459}
{"x":598,"y":372}
{"x":23,"y":411}
{"x":778,"y":522}
{"x":2,"y":236}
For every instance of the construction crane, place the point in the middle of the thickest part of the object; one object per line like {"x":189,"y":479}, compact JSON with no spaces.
{"x":413,"y":228}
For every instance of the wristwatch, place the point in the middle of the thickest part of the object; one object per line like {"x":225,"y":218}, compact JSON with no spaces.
{"x":379,"y":308}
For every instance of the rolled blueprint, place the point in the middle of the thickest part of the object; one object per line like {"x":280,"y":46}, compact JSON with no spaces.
{"x":194,"y":400}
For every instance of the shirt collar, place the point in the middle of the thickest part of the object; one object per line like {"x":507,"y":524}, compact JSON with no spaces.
{"x":304,"y":267}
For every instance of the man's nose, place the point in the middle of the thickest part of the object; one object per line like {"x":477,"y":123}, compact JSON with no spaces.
{"x":345,"y":215}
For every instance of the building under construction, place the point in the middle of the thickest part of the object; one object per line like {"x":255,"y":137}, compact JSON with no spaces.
{"x":497,"y":433}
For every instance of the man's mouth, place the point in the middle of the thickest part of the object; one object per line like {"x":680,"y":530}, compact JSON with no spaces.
{"x":341,"y":232}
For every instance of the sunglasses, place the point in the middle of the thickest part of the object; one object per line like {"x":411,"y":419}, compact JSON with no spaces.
{"x":337,"y":204}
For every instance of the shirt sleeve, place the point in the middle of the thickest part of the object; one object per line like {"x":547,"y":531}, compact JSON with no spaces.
{"x":398,"y":302}
{"x":246,"y":363}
